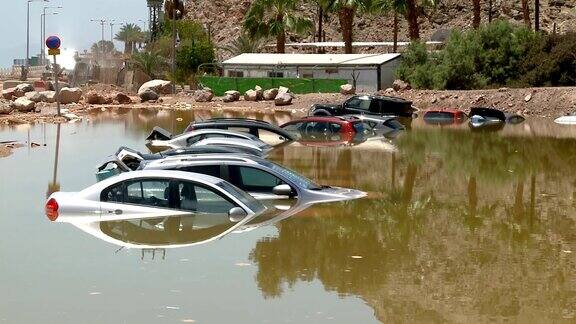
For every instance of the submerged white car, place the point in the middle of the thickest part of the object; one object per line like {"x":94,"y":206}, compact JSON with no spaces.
{"x":203,"y":137}
{"x":157,"y":193}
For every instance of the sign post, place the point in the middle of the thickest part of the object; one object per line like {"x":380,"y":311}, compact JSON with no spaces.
{"x":53,"y":43}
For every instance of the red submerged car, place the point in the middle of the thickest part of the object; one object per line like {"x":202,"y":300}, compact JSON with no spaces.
{"x":444,"y":116}
{"x":327,"y":129}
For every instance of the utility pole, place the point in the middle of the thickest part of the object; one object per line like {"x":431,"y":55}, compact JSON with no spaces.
{"x":27,"y":60}
{"x":174,"y":49}
{"x":43,"y":31}
{"x":102,"y":24}
{"x":537,"y":15}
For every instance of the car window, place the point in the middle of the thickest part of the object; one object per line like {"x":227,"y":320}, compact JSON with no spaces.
{"x":253,"y":180}
{"x":202,"y":199}
{"x":113,"y":194}
{"x":335,"y":128}
{"x":211,"y":170}
{"x":316,"y":127}
{"x":194,"y":139}
{"x":358,"y":103}
{"x":153,"y":192}
{"x":293,"y":127}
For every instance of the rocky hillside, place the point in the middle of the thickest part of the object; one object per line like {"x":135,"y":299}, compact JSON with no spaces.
{"x":224,"y":18}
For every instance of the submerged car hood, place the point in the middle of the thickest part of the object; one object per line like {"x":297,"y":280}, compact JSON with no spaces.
{"x":333,"y":194}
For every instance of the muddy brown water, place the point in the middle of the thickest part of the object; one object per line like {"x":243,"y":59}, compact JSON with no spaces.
{"x":459,"y":226}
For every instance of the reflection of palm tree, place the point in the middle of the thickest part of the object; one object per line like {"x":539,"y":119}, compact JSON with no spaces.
{"x":55,"y":186}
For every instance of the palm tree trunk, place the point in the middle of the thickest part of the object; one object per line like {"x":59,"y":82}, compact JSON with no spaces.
{"x":395,"y":46}
{"x":476,"y":19}
{"x":346,"y":17}
{"x":526,"y":13}
{"x":412,"y":17}
{"x":537,"y":15}
{"x":281,"y":37}
{"x":127,"y":47}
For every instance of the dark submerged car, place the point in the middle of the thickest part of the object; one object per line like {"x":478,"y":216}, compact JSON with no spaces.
{"x":366,"y":105}
{"x":492,"y":118}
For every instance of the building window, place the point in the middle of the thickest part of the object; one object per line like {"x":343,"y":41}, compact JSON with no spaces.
{"x":307,"y":75}
{"x":235,"y":74}
{"x":331,"y":70}
{"x":275,"y":74}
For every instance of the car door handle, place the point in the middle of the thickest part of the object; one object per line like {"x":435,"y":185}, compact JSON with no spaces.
{"x":117,"y":212}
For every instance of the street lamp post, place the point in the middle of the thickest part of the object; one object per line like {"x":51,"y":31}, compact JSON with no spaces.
{"x":112,"y":23}
{"x":102,"y":23}
{"x":43,"y":31}
{"x":27,"y":61}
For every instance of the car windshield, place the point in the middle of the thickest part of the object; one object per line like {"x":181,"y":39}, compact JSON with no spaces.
{"x":241,"y":195}
{"x":294,"y":177}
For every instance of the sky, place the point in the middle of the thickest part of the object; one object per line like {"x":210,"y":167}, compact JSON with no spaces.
{"x":72,"y":24}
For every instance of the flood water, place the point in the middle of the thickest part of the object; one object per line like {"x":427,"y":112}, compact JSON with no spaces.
{"x":459,"y":226}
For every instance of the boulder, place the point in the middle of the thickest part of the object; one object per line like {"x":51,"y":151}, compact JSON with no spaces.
{"x":148,"y":95}
{"x":259,"y":92}
{"x":5,"y":109}
{"x":9,"y":94}
{"x":35,"y":96}
{"x":528,"y":97}
{"x":204,"y":95}
{"x":400,"y":85}
{"x":233,"y":94}
{"x":283,"y":99}
{"x":270,"y":94}
{"x":23,"y":104}
{"x":347,"y":89}
{"x":25,"y":87}
{"x":158,"y":86}
{"x":94,"y":98}
{"x":283,"y":90}
{"x":49,"y":96}
{"x":51,"y":85}
{"x":70,"y":95}
{"x":122,"y":98}
{"x":251,"y":95}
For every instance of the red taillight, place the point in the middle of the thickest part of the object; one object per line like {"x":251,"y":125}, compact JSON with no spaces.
{"x":52,"y":209}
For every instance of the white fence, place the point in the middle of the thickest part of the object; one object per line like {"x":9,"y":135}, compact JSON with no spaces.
{"x":14,"y":72}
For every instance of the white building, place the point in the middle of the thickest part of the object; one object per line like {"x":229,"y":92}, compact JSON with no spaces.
{"x":370,"y":72}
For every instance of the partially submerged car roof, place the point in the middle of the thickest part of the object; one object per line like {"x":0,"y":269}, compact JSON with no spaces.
{"x":488,"y":112}
{"x":238,"y":122}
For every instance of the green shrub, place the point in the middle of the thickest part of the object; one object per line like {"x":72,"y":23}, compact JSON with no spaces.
{"x":551,"y":62}
{"x":489,"y":56}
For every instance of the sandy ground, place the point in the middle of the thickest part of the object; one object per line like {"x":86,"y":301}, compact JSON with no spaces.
{"x":531,"y":102}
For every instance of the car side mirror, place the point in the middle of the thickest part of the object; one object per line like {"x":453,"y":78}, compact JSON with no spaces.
{"x":237,"y":214}
{"x":283,"y":190}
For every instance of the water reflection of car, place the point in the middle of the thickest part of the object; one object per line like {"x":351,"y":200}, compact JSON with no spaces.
{"x":328,"y":130}
{"x":156,"y":193}
{"x":265,"y":131}
{"x":263,"y":179}
{"x":444,"y":116}
{"x":388,"y":127}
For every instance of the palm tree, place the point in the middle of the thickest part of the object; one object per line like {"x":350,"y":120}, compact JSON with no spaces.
{"x":274,"y":18}
{"x":103,"y":47}
{"x":245,"y":44}
{"x":130,"y":35}
{"x":526,"y":13}
{"x":346,"y":10}
{"x":476,"y":10}
{"x":150,"y":63}
{"x":397,"y":7}
{"x":411,"y":11}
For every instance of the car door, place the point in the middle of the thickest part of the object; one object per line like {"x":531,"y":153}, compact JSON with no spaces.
{"x":138,"y":198}
{"x":208,"y":206}
{"x":257,"y":182}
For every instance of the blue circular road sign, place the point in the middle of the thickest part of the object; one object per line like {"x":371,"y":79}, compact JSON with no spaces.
{"x":53,"y":42}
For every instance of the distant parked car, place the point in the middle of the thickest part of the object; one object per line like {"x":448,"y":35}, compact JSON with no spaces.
{"x":366,"y":105}
{"x":156,"y":193}
{"x":444,"y":116}
{"x":258,"y":128}
{"x":327,"y":129}
{"x":491,"y":118}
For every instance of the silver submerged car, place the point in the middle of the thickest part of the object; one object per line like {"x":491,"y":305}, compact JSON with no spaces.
{"x":153,"y":194}
{"x":200,"y":137}
{"x":263,"y":179}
